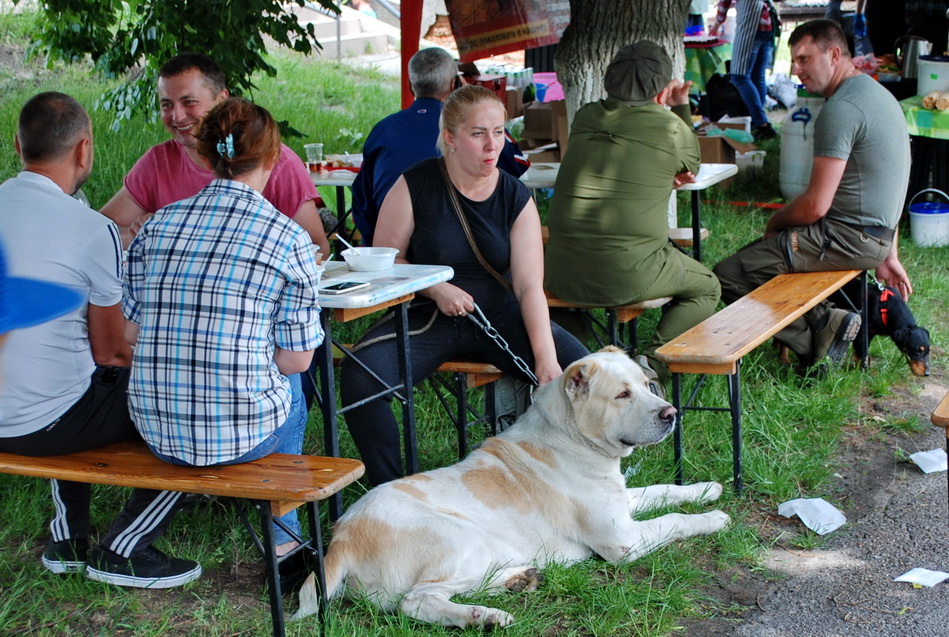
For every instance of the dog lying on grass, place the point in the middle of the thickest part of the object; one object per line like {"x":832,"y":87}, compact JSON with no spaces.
{"x":547,"y":489}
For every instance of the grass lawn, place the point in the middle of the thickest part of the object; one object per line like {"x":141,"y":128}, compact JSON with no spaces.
{"x":793,"y":428}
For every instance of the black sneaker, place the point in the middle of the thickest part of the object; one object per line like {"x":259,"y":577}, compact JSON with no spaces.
{"x":147,"y":569}
{"x":763,"y":132}
{"x":68,"y":556}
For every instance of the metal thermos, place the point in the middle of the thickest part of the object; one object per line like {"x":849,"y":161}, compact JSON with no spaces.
{"x":907,"y":50}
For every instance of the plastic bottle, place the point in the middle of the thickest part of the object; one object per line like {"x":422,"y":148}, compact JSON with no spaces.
{"x":797,"y":144}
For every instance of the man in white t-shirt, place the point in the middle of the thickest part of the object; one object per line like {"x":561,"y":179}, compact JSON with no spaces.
{"x":65,"y":381}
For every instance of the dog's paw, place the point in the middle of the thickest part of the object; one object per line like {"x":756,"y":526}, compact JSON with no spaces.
{"x":528,"y":581}
{"x":490,"y":618}
{"x":708,"y":491}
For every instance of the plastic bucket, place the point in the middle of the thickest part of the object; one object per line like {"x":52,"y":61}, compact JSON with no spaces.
{"x":929,"y":220}
{"x":750,"y":164}
{"x":933,"y":73}
{"x":797,"y":144}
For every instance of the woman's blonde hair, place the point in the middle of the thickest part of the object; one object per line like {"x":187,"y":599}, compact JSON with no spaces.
{"x":237,"y":136}
{"x":456,"y":108}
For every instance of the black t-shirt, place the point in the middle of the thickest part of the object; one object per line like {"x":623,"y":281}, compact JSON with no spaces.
{"x":439,"y":238}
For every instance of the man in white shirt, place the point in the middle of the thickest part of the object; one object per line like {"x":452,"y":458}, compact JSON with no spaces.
{"x":66,"y":380}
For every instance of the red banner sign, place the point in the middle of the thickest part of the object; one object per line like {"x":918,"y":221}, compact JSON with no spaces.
{"x":483,"y":28}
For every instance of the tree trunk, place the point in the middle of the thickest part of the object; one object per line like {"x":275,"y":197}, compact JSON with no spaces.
{"x":599,"y":28}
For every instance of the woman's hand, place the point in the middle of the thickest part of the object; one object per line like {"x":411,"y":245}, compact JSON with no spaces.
{"x":451,"y":299}
{"x":547,"y":371}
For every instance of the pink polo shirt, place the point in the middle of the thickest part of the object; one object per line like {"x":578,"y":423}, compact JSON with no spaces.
{"x":165,"y":174}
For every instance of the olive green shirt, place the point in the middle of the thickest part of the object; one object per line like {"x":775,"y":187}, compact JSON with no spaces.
{"x":607,"y":220}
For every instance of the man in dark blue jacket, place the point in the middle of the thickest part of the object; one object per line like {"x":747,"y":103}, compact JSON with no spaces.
{"x":405,"y":138}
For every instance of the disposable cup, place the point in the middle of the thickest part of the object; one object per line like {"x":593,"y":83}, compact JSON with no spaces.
{"x":314,"y":156}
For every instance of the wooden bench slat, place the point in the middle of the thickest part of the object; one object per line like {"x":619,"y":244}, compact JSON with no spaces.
{"x":940,"y":415}
{"x":277,"y":477}
{"x":344,"y":314}
{"x":451,"y":367}
{"x":621,"y":310}
{"x":728,"y":335}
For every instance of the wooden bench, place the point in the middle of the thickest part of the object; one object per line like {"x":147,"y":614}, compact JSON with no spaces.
{"x":940,"y":418}
{"x":275,"y":485}
{"x":717,"y":344}
{"x":465,"y":375}
{"x":615,"y":316}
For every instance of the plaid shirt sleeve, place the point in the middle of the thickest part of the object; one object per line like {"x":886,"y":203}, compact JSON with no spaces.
{"x":134,"y":276}
{"x":297,"y":322}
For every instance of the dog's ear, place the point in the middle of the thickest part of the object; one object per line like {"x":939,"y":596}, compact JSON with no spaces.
{"x":577,"y":379}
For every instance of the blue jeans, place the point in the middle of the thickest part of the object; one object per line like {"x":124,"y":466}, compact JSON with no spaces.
{"x":752,"y":86}
{"x":287,"y":438}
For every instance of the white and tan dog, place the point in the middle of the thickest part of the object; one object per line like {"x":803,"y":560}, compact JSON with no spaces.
{"x":547,"y":489}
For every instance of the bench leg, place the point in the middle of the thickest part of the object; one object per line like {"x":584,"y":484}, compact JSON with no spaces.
{"x":865,"y":322}
{"x":490,"y":411}
{"x":611,"y":327}
{"x":272,"y":570}
{"x":677,"y":432}
{"x":313,"y":546}
{"x":734,"y":405}
{"x":632,"y":345}
{"x":461,"y":414}
{"x":696,"y":226}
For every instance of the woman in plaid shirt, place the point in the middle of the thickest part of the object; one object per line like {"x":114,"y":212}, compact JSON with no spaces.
{"x":221,"y":302}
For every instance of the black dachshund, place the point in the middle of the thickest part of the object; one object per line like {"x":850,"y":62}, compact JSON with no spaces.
{"x":890,"y":316}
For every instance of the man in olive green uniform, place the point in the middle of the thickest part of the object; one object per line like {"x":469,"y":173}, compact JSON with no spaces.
{"x":608,"y":226}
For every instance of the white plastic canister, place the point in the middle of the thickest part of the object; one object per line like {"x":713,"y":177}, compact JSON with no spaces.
{"x":933,"y":74}
{"x":797,"y":144}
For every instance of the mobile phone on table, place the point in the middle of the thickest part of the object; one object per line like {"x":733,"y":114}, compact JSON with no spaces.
{"x":344,"y":287}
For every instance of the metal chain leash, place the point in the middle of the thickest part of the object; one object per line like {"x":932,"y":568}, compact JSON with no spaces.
{"x":481,"y":321}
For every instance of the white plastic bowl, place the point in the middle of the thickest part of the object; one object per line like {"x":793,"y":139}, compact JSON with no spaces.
{"x":370,"y":259}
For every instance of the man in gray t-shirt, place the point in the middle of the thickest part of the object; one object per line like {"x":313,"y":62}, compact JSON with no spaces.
{"x":846,"y":219}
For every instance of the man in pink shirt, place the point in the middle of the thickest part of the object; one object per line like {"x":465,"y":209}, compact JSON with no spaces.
{"x":189,"y":85}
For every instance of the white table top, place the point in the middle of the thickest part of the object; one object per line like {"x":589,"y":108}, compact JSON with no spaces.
{"x":544,"y":175}
{"x":333,"y":178}
{"x":709,"y":175}
{"x":541,"y":175}
{"x":386,"y":285}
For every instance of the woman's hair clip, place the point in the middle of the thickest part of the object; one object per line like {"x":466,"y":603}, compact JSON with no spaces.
{"x":226,"y":148}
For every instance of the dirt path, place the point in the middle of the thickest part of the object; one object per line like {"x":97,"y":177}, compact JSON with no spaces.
{"x":897,"y":519}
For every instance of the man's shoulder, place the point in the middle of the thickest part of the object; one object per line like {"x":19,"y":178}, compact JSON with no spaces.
{"x":288,"y":159}
{"x":419,"y":113}
{"x":166,"y":149}
{"x":160,"y":156}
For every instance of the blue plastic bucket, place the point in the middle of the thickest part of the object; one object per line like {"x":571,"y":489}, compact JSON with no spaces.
{"x":929,"y":220}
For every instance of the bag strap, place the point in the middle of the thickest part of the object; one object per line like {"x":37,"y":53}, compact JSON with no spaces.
{"x":453,"y":195}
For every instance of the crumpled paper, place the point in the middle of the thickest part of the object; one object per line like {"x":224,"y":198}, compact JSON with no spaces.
{"x":817,"y":514}
{"x":930,"y":461}
{"x":922,"y":576}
